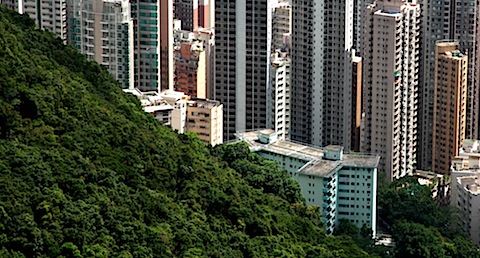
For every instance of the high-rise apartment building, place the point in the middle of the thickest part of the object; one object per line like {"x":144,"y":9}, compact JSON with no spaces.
{"x":466,"y":164}
{"x":16,"y":5}
{"x":356,"y":122}
{"x":322,"y":38}
{"x":153,"y":44}
{"x":278,"y":118}
{"x":194,"y":13}
{"x":467,"y":31}
{"x":190,"y":65}
{"x":390,"y":82}
{"x":450,"y":99}
{"x":50,"y":15}
{"x":281,"y":24}
{"x":448,"y":19}
{"x":465,"y":187}
{"x":242,"y":59}
{"x":103,"y":31}
{"x":187,"y":12}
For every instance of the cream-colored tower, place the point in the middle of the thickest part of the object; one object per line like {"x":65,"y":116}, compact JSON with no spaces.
{"x":450,"y":104}
{"x":390,"y":82}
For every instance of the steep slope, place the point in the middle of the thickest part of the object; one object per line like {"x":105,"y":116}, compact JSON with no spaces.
{"x":84,"y":172}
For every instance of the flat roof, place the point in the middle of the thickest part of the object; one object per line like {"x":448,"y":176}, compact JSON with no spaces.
{"x":314,"y":155}
{"x":323,"y":167}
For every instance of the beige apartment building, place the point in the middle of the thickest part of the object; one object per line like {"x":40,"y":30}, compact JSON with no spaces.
{"x":205,"y":117}
{"x":450,"y":104}
{"x":390,"y":81}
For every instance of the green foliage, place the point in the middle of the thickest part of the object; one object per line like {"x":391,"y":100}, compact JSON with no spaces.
{"x":346,"y":228}
{"x":259,"y":172}
{"x":86,"y":173}
{"x":422,"y":228}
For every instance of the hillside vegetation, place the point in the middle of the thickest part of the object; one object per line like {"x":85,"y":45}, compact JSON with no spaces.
{"x":84,"y":172}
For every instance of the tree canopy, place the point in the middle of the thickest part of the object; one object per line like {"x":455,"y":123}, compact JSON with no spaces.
{"x":84,"y":172}
{"x":420,"y":226}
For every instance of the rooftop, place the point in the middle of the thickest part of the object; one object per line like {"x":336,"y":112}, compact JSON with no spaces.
{"x":326,"y":167}
{"x":313,"y":155}
{"x":470,"y":183}
{"x":203,"y":103}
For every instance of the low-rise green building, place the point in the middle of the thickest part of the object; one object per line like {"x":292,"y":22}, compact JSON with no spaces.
{"x":344,"y":186}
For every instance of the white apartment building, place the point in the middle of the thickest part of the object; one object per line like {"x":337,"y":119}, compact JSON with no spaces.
{"x":50,"y":15}
{"x":278,"y":108}
{"x":103,"y":31}
{"x":469,"y":203}
{"x":243,"y":30}
{"x":322,"y":38}
{"x":344,"y":186}
{"x":390,"y":83}
{"x":465,"y":187}
{"x":467,"y":163}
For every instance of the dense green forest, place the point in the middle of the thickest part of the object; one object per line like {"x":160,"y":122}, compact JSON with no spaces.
{"x":84,"y":172}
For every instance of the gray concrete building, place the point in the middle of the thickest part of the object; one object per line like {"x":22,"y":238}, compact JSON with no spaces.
{"x":322,"y":39}
{"x":242,"y":58}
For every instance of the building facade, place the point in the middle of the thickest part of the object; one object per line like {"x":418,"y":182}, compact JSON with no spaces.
{"x":390,"y":82}
{"x":322,"y":38}
{"x":184,"y":114}
{"x":357,"y":96}
{"x":153,"y":44}
{"x":467,"y":31}
{"x":50,"y":15}
{"x":205,"y":117}
{"x":279,"y":106}
{"x":282,"y":25}
{"x":195,"y":13}
{"x":103,"y":31}
{"x":469,"y":203}
{"x":450,"y":99}
{"x":187,"y":12}
{"x":344,"y":186}
{"x":458,"y":22}
{"x":242,"y":59}
{"x":467,"y":163}
{"x":190,"y":65}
